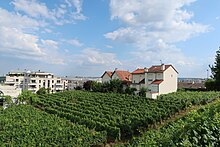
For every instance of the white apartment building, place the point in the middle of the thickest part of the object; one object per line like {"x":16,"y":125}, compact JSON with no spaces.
{"x":159,"y":79}
{"x":33,"y":81}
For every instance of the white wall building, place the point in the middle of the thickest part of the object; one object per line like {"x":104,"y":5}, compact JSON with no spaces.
{"x":160,"y":79}
{"x":33,"y":81}
{"x":106,"y":77}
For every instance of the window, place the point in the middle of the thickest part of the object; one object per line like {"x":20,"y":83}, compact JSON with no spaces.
{"x":33,"y":81}
{"x":150,"y":80}
{"x":52,"y":81}
{"x":17,"y":80}
{"x":39,"y":81}
{"x":58,"y":81}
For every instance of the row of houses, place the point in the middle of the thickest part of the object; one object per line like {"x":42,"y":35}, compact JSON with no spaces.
{"x":158,"y":79}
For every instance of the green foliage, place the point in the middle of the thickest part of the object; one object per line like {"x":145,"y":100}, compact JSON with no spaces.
{"x":87,"y":85}
{"x":210,"y":84}
{"x":43,"y":90}
{"x":143,"y":91}
{"x":27,"y":96}
{"x":130,"y":91}
{"x":199,"y":128}
{"x":215,"y":69}
{"x":7,"y":98}
{"x":24,"y":125}
{"x":115,"y":86}
{"x":78,"y":88}
{"x":121,"y":116}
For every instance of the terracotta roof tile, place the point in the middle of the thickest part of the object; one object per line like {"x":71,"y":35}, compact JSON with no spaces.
{"x":138,"y":71}
{"x":157,"y":82}
{"x":123,"y":75}
{"x":153,"y":69}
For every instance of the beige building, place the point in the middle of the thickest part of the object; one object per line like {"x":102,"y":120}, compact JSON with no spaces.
{"x":160,"y":79}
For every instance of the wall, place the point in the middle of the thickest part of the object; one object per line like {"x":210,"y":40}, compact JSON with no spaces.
{"x":106,"y":78}
{"x":170,"y":81}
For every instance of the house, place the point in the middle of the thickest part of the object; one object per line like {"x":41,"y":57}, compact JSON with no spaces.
{"x":106,"y":77}
{"x":159,"y":79}
{"x":124,"y":76}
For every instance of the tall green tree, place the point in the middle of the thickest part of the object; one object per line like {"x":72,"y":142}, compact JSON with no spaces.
{"x":215,"y":70}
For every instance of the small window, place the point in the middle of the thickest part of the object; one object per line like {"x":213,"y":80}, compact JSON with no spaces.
{"x":17,"y":80}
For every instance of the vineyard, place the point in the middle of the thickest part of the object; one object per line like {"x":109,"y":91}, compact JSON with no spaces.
{"x":120,"y":116}
{"x":80,"y":118}
{"x":199,"y":128}
{"x":24,"y":125}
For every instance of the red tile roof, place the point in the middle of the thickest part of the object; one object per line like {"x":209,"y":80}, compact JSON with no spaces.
{"x":123,"y":75}
{"x":109,"y":73}
{"x":153,"y":69}
{"x":158,"y":68}
{"x":157,"y":82}
{"x":138,"y":71}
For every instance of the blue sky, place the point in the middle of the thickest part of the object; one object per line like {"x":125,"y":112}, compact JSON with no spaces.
{"x":87,"y":37}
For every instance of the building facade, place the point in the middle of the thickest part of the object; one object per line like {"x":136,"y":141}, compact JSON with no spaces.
{"x":33,"y":81}
{"x":160,"y":79}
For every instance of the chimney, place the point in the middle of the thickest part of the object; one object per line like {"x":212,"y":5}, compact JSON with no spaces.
{"x":145,"y":69}
{"x":162,"y":67}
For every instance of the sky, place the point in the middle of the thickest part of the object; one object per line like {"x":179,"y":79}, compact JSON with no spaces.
{"x":88,"y":37}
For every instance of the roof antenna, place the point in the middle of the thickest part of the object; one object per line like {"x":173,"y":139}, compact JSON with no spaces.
{"x":161,"y":62}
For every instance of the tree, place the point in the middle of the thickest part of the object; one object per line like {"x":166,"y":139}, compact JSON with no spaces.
{"x":215,"y":70}
{"x":130,"y":91}
{"x":143,"y":91}
{"x":8,"y":99}
{"x":87,"y":85}
{"x":27,"y":96}
{"x":42,"y":91}
{"x":116,"y":86}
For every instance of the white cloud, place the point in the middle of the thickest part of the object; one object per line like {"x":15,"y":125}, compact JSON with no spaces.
{"x":74,"y":42}
{"x":19,"y":39}
{"x":32,"y":8}
{"x":15,"y":42}
{"x":18,"y":21}
{"x":95,"y":57}
{"x":153,"y":28}
{"x":62,"y":14}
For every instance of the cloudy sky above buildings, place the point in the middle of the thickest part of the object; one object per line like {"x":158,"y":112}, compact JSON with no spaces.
{"x":87,"y":37}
